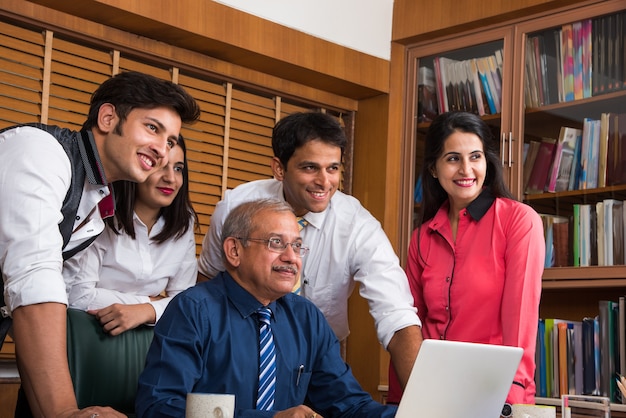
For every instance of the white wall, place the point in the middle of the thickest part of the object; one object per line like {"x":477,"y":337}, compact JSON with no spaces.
{"x":363,"y":25}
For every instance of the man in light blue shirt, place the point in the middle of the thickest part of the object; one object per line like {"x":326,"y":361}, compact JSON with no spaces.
{"x":207,"y":339}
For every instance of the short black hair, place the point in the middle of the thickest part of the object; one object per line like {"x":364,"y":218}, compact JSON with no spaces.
{"x":296,"y":129}
{"x":129,"y":90}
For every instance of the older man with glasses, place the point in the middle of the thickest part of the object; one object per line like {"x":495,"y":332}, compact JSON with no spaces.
{"x":244,"y":332}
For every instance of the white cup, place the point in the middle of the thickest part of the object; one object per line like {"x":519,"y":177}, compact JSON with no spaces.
{"x":210,"y":405}
{"x":533,"y":411}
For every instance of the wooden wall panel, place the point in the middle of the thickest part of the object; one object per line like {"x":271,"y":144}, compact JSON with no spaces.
{"x":415,"y":20}
{"x":234,"y":36}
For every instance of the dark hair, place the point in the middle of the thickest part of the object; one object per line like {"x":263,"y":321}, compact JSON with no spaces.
{"x":440,"y":129}
{"x":239,"y":222}
{"x":129,"y":90}
{"x":176,"y":216}
{"x":296,"y":129}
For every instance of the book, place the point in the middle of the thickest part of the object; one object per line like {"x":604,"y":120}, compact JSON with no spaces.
{"x":588,"y":356}
{"x":576,"y":241}
{"x":426,"y":95}
{"x":603,"y":149}
{"x":600,"y":237}
{"x":613,"y":232}
{"x":552,"y":355}
{"x":607,"y":349}
{"x":567,"y":54}
{"x":563,"y":160}
{"x":497,"y":81}
{"x":601,"y":50}
{"x":472,"y":70}
{"x":593,"y":155}
{"x":488,"y":88}
{"x":548,"y":235}
{"x":593,"y":243}
{"x":622,"y":338}
{"x":531,"y":92}
{"x":610,"y":52}
{"x":616,"y":153}
{"x":540,"y":371}
{"x":617,"y":233}
{"x":551,"y":84}
{"x":577,"y":53}
{"x":585,"y":233}
{"x":558,"y":34}
{"x":576,"y":363}
{"x":574,"y":179}
{"x":539,"y":52}
{"x":595,"y":61}
{"x":587,"y":57}
{"x":563,"y":358}
{"x":529,"y":161}
{"x":541,"y":167}
{"x":441,"y":82}
{"x":560,"y":233}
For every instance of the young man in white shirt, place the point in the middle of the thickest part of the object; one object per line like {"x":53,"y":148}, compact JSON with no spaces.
{"x":55,"y":194}
{"x":348,"y":245}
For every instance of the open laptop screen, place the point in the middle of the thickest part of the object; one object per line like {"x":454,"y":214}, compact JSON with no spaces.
{"x":452,"y":379}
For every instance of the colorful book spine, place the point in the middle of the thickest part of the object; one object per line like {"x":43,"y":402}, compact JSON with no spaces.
{"x":487,"y":90}
{"x":567,"y":51}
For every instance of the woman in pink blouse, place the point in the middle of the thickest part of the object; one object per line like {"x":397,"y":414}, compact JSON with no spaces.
{"x":476,"y":260}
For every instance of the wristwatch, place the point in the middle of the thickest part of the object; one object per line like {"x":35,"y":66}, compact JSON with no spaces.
{"x":507,"y":411}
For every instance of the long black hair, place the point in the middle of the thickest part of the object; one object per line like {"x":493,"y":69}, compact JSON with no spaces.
{"x":440,"y":129}
{"x":177,"y":216}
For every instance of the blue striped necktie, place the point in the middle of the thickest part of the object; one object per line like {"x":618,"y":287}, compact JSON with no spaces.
{"x":301,"y":224}
{"x":267,"y":362}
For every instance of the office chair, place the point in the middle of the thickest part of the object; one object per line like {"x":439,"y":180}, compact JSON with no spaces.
{"x":105,"y":369}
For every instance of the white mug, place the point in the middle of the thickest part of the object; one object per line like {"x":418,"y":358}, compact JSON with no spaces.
{"x":210,"y":405}
{"x":533,"y":411}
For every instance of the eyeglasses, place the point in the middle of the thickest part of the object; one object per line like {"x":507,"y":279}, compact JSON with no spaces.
{"x":277,"y":245}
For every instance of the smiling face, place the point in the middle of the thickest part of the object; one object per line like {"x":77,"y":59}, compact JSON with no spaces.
{"x":461,"y":169}
{"x":311,"y":177}
{"x":139,"y":146}
{"x":160,"y":189}
{"x":266,"y":274}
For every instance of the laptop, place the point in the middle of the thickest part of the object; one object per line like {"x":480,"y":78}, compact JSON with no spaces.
{"x":452,"y":379}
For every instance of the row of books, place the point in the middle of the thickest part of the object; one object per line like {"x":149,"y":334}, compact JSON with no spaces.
{"x":587,"y":158}
{"x":576,"y":61}
{"x":593,"y":236}
{"x":582,"y":357}
{"x":471,"y":85}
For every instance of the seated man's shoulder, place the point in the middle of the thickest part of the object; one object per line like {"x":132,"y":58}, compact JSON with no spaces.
{"x":301,"y":308}
{"x":208,"y":291}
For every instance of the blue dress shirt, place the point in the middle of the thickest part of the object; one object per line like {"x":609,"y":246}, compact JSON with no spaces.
{"x":207,"y":341}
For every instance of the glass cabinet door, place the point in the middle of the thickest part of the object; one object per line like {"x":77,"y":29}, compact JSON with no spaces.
{"x":573,"y":93}
{"x":469,"y":73}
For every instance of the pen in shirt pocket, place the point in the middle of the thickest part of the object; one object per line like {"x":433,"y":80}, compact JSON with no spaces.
{"x":300,"y":371}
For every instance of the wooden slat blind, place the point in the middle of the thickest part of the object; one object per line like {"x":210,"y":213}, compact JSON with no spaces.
{"x":252,"y":119}
{"x":21,"y":72}
{"x":205,"y":147}
{"x":76,"y":71}
{"x":229,"y":145}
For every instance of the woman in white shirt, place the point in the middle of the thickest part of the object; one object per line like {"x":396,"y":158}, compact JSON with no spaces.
{"x":146,"y":254}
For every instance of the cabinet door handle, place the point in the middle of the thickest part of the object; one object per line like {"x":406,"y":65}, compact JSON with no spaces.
{"x":510,"y":148}
{"x":502,"y":147}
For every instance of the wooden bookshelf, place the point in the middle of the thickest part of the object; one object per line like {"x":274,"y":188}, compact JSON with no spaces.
{"x":568,"y":292}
